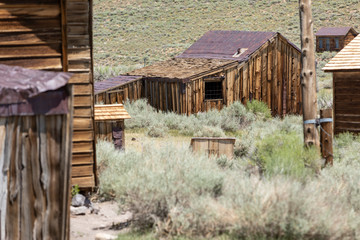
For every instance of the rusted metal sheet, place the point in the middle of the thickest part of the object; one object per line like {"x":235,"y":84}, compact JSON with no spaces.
{"x":225,"y":44}
{"x":25,"y":92}
{"x":113,"y":83}
{"x":18,"y":84}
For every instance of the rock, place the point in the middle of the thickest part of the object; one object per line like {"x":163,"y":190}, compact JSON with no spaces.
{"x":104,"y":236}
{"x":78,"y":210}
{"x":78,"y":200}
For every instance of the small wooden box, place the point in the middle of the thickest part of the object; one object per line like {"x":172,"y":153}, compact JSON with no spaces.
{"x":214,"y":145}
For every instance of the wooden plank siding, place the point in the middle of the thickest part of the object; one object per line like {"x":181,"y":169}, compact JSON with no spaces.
{"x":346,"y":86}
{"x":56,"y":35}
{"x":271,"y":74}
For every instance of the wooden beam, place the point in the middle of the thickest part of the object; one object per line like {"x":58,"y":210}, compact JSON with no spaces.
{"x":308,"y":74}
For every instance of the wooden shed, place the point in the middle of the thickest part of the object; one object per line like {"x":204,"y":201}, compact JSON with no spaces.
{"x":56,"y":35}
{"x":334,"y":38}
{"x":345,"y":67}
{"x":35,"y":153}
{"x":223,"y":67}
{"x":118,"y":89}
{"x":110,"y":123}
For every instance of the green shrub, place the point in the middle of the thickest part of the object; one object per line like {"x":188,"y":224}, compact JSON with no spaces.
{"x":284,"y":154}
{"x":259,"y":108}
{"x":157,"y":130}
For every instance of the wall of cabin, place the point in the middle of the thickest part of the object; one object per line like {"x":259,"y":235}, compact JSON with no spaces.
{"x":271,"y":75}
{"x":133,"y":91}
{"x":56,"y":35}
{"x":349,"y":37}
{"x":346,"y":87}
{"x":322,"y":43}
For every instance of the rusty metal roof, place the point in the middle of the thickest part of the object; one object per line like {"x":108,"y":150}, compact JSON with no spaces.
{"x":26,"y":92}
{"x":110,"y":112}
{"x":181,"y":68}
{"x":334,"y":31}
{"x":225,"y":44}
{"x":347,"y":59}
{"x":111,"y":83}
{"x":18,"y":84}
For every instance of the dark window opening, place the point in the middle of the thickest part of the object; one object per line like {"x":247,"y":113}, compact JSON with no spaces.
{"x":321,"y":46}
{"x":337,"y":43}
{"x":328,"y":44}
{"x":213,"y":90}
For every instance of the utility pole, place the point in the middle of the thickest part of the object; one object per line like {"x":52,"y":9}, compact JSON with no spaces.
{"x":308,"y":75}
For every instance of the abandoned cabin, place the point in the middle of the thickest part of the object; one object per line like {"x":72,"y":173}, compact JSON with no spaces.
{"x":345,"y":67}
{"x":56,"y":35}
{"x":334,"y":38}
{"x":218,"y":69}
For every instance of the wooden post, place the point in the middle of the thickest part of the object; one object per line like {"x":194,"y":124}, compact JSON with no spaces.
{"x":308,"y":74}
{"x":326,"y":136}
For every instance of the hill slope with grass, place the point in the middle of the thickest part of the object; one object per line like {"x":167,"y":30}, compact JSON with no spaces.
{"x":129,"y":32}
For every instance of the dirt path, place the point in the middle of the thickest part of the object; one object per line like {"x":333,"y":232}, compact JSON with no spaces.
{"x":85,"y":227}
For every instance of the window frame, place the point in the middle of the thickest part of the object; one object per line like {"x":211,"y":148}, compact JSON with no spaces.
{"x":220,"y":92}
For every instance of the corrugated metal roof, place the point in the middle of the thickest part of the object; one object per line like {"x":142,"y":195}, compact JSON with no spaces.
{"x":181,"y":68}
{"x":334,"y":31}
{"x":347,"y":59}
{"x":17,"y":84}
{"x":110,"y":112}
{"x":113,"y":83}
{"x":225,"y":44}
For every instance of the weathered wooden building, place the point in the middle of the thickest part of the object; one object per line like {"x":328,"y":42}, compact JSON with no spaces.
{"x":334,"y":38}
{"x":345,"y":67}
{"x":56,"y":35}
{"x":118,"y":89}
{"x":220,"y":68}
{"x":35,"y":153}
{"x":110,"y":123}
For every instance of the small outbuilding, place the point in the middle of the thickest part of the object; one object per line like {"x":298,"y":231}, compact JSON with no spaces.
{"x":345,"y":67}
{"x":334,"y":38}
{"x":218,"y":69}
{"x":35,"y":153}
{"x":110,"y":123}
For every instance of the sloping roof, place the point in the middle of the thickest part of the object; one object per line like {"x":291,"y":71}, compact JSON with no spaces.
{"x":110,"y":112}
{"x":347,"y":59}
{"x":17,"y":84}
{"x":113,"y":83}
{"x":224,"y":44}
{"x":180,"y":68}
{"x":334,"y":31}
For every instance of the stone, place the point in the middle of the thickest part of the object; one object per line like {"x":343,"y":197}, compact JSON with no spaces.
{"x":78,"y":210}
{"x":78,"y":200}
{"x":104,"y":236}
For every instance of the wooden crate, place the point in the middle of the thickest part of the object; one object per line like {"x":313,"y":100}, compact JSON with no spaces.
{"x":214,"y":146}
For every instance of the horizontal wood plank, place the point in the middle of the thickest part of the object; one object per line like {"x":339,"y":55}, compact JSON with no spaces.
{"x":82,"y":158}
{"x":84,"y":182}
{"x":83,"y":89}
{"x":81,"y":136}
{"x":43,"y":11}
{"x":83,"y":123}
{"x":82,"y":147}
{"x":82,"y":101}
{"x":39,"y":64}
{"x":82,"y":112}
{"x":80,"y":78}
{"x":82,"y":171}
{"x":29,"y":25}
{"x":30,"y":51}
{"x":19,"y":39}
